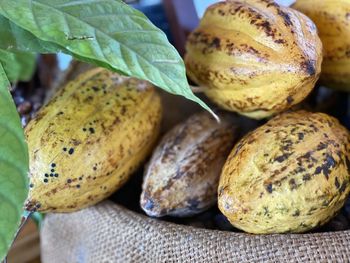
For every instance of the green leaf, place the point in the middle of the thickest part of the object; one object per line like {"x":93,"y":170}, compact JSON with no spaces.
{"x":14,"y":166}
{"x":15,"y":38}
{"x":18,"y":65}
{"x":107,"y":33}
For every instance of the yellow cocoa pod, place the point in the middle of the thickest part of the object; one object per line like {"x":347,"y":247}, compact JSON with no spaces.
{"x":254,"y":57}
{"x":87,"y":141}
{"x":332,"y":18}
{"x":289,"y":175}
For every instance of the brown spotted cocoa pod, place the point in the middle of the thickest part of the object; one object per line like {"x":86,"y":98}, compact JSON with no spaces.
{"x":254,"y":57}
{"x":289,"y":175}
{"x":183,"y":174}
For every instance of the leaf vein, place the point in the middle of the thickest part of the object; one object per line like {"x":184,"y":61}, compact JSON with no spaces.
{"x":163,"y":74}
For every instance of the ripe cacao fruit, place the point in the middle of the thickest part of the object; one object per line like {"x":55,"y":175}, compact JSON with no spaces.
{"x":289,"y":175}
{"x":183,"y":174}
{"x":86,"y":142}
{"x":254,"y":57}
{"x":332,"y":19}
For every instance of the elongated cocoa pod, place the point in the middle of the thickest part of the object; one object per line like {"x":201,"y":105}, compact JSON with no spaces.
{"x":87,"y":141}
{"x":183,"y":174}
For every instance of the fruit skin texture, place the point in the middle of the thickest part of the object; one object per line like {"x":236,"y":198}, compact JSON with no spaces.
{"x":89,"y":139}
{"x":183,"y":174}
{"x":332,"y":18}
{"x":254,"y":57}
{"x":289,"y":175}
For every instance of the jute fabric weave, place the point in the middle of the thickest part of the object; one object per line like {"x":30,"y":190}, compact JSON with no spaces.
{"x":110,"y":233}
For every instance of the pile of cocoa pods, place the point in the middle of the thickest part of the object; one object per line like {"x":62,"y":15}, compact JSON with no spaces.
{"x":273,"y":163}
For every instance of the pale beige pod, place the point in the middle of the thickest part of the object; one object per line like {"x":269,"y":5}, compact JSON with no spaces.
{"x":182,"y":176}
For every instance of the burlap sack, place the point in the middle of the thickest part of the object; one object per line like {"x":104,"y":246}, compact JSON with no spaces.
{"x":110,"y":233}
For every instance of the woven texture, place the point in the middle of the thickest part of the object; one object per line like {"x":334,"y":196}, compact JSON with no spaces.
{"x":110,"y":233}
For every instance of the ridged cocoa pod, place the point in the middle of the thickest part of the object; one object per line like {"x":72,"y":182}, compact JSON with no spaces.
{"x":183,"y":174}
{"x":254,"y":57}
{"x":289,"y":175}
{"x":332,"y":18}
{"x":87,"y":141}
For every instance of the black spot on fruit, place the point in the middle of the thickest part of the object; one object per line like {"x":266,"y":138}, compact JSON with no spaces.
{"x":290,"y":100}
{"x":306,"y":177}
{"x":296,"y":213}
{"x":92,"y":130}
{"x":326,"y":166}
{"x":347,"y":164}
{"x":282,"y":157}
{"x":216,"y":42}
{"x":321,"y":146}
{"x":309,"y":67}
{"x":300,"y":135}
{"x":266,"y":211}
{"x":286,"y":17}
{"x":53,"y":165}
{"x":71,"y":151}
{"x":336,"y":183}
{"x":292,"y":184}
{"x":266,"y":26}
{"x":69,"y":181}
{"x":280,"y":41}
{"x":343,"y":187}
{"x":269,"y":188}
{"x":318,"y":170}
{"x":46,"y":180}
